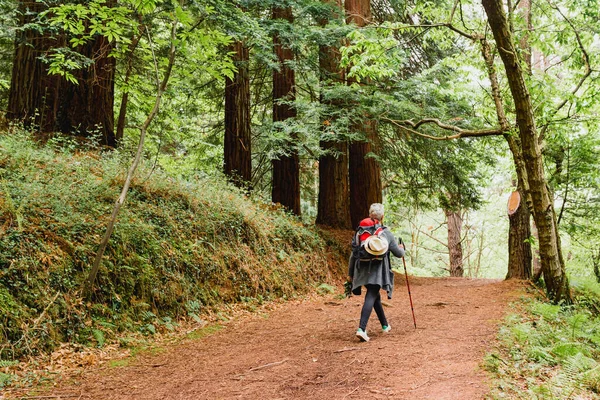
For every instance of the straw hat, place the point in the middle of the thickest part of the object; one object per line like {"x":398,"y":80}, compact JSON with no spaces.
{"x":376,"y":245}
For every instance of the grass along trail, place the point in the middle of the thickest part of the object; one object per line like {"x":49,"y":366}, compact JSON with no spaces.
{"x":307,"y":349}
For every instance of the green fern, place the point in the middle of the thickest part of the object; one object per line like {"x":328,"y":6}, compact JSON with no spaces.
{"x":543,"y":391}
{"x":591,"y":379}
{"x":148,"y":315}
{"x":541,"y":355}
{"x":546,"y":310}
{"x":324,"y":288}
{"x":5,"y":379}
{"x":8,"y":363}
{"x":99,"y":336}
{"x":572,"y":376}
{"x":521,"y":332}
{"x":568,"y":349}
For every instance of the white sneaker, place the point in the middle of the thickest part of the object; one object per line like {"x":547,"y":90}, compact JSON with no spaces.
{"x":386,"y":328}
{"x":362,"y":335}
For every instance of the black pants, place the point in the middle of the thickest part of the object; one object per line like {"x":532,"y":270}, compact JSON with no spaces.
{"x":372,"y":300}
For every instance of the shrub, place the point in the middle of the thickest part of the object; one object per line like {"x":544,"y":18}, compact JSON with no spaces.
{"x":549,"y":351}
{"x":176,"y":243}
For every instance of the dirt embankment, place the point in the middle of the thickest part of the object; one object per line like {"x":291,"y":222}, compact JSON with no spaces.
{"x":307,"y":349}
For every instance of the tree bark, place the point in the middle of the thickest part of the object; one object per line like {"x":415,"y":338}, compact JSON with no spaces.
{"x":553,"y":268}
{"x":519,"y":226}
{"x":365,"y":176}
{"x":519,"y":247}
{"x":238,"y":146}
{"x":454,"y":220}
{"x":286,"y":169}
{"x":365,"y":172}
{"x":34,"y":95}
{"x":49,"y":103}
{"x":537,"y":264}
{"x":333,"y":208}
{"x":122,"y":116}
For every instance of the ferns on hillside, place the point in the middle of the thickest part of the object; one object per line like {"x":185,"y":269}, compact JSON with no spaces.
{"x":548,"y":352}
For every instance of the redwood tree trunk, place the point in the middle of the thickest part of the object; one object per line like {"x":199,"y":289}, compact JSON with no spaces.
{"x":553,"y":268}
{"x":87,"y":108}
{"x":334,"y":208}
{"x":49,"y":103}
{"x":455,"y":251}
{"x":34,"y":95}
{"x":519,"y":232}
{"x":334,"y":201}
{"x":238,"y":148}
{"x":519,"y":247}
{"x":286,"y":169}
{"x":365,"y":173}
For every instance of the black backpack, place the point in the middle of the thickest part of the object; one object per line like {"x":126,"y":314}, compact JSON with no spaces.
{"x":361,"y":235}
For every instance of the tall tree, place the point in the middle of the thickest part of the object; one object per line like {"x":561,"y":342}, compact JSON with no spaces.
{"x":455,"y":250}
{"x":364,"y":170}
{"x":237,"y":143}
{"x":333,"y":207}
{"x":553,"y":267}
{"x":519,"y":245}
{"x":49,"y":102}
{"x":519,"y":231}
{"x":286,"y":169}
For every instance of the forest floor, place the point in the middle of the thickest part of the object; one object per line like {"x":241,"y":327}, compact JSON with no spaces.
{"x":307,"y":349}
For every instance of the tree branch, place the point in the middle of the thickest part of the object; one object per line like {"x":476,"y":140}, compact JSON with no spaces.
{"x":410,"y":127}
{"x":456,"y":3}
{"x":438,"y":25}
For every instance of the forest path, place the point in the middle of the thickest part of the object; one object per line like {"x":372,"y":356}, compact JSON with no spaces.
{"x":307,"y":349}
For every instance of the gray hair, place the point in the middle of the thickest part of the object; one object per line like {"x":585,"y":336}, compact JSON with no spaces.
{"x":376,"y":211}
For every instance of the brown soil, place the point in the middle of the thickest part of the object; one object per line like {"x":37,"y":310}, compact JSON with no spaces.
{"x":307,"y":349}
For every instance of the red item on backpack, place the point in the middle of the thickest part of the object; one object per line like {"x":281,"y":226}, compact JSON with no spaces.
{"x":369,"y":222}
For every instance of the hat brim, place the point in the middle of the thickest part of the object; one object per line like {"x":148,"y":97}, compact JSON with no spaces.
{"x":376,"y":246}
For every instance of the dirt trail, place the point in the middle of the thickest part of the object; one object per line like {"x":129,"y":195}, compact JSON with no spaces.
{"x":308,"y":350}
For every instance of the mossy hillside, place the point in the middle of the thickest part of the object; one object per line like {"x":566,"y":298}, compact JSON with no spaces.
{"x":179,"y":248}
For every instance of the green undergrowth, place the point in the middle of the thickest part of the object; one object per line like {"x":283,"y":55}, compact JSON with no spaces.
{"x":180,"y":249}
{"x":548,"y":351}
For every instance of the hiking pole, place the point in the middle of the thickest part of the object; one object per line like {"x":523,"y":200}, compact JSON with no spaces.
{"x":409,"y":296}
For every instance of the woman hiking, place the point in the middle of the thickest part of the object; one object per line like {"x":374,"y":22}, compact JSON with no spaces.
{"x":370,"y":266}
